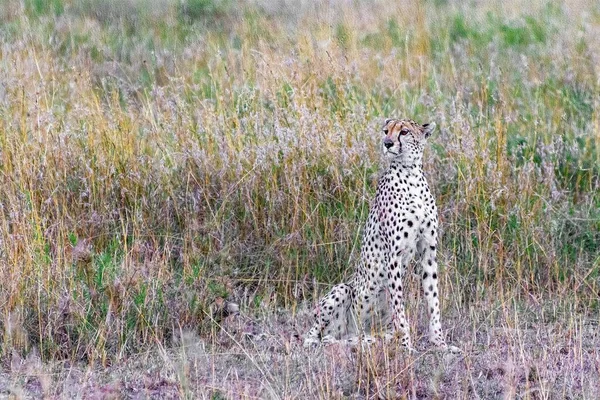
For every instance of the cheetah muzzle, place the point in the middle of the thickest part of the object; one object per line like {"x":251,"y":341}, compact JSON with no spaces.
{"x":402,"y":226}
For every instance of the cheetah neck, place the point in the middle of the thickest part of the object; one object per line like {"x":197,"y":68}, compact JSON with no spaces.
{"x":405,"y":169}
{"x":411,"y":174}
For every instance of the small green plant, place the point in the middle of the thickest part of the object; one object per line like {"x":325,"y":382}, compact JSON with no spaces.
{"x":39,"y":8}
{"x":204,"y":10}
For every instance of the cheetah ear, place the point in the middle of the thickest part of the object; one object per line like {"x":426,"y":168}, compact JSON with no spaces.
{"x":428,"y":129}
{"x":387,"y":121}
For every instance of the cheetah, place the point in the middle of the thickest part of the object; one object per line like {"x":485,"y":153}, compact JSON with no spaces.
{"x":402,"y":224}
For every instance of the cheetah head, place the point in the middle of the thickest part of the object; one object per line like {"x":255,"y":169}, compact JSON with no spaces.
{"x":405,"y":139}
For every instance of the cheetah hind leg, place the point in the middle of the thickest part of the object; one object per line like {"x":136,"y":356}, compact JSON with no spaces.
{"x":331,"y":317}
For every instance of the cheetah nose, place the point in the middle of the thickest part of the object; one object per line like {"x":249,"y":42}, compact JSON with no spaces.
{"x":387,"y":142}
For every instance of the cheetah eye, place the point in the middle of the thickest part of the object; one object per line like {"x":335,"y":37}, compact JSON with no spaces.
{"x":404,"y":132}
{"x":386,"y":130}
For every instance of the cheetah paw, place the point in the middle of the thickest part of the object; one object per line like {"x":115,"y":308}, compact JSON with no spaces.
{"x":365,"y":340}
{"x":328,"y":339}
{"x":447,"y":349}
{"x":452,"y":349}
{"x":368,"y":340}
{"x":388,"y":337}
{"x":311,"y":342}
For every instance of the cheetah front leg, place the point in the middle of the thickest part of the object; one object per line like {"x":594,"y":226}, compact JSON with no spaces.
{"x":430,"y":291}
{"x":395,"y":275}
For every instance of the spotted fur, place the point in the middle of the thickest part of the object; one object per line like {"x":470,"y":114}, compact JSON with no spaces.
{"x":402,"y":224}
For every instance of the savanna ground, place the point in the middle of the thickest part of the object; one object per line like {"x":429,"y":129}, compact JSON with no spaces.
{"x":161,"y":158}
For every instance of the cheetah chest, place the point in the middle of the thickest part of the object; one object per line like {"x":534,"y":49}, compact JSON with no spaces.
{"x":395,"y":208}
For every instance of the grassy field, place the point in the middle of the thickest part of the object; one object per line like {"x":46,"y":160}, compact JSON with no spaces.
{"x":159,"y":158}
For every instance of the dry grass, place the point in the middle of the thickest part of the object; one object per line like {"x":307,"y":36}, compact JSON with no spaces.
{"x":256,"y":358}
{"x":157,"y":157}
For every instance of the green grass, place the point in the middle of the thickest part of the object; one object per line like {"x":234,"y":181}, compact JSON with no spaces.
{"x":155,"y":163}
